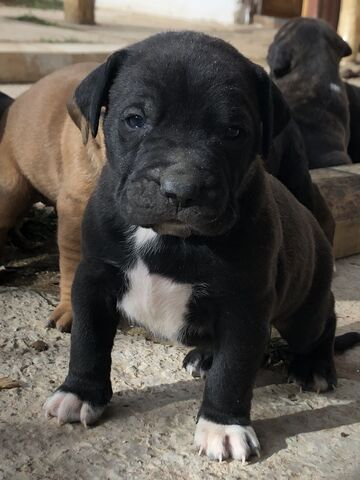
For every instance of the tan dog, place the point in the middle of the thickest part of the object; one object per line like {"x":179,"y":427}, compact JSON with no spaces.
{"x":44,"y":156}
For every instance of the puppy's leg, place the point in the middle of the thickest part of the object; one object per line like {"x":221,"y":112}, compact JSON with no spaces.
{"x":315,"y":369}
{"x":70,"y":211}
{"x":87,"y":387}
{"x":223,"y":429}
{"x":310,"y":333}
{"x":16,"y":196}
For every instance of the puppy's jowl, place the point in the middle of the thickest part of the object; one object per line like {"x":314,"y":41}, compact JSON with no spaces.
{"x":187,"y":234}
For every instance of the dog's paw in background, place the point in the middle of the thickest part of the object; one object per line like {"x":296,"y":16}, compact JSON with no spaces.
{"x":61,"y":317}
{"x":220,"y":442}
{"x":68,"y":408}
{"x":198,"y":362}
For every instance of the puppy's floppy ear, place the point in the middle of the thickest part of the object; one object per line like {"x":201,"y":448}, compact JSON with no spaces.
{"x":274,"y":111}
{"x":93,"y":91}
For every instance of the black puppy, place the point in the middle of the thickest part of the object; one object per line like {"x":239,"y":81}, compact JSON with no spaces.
{"x":304,"y":61}
{"x":187,"y":235}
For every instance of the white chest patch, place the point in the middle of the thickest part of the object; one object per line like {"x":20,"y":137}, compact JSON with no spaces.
{"x":155,"y":302}
{"x":144,"y":236}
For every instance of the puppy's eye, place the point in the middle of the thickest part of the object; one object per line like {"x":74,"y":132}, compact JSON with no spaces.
{"x":232,"y":132}
{"x":135,"y":121}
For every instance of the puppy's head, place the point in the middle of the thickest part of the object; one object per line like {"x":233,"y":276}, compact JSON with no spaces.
{"x":185,"y":116}
{"x":303,"y":40}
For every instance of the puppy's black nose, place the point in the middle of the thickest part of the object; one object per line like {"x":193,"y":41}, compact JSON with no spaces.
{"x":182,"y":189}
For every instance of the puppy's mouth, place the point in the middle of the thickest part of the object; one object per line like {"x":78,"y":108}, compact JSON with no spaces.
{"x":210,"y":227}
{"x":174,"y":228}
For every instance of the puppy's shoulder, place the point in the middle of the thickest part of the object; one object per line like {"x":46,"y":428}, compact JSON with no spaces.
{"x":297,"y":221}
{"x":286,"y":201}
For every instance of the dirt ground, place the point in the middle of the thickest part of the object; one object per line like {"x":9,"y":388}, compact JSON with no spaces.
{"x":148,"y":428}
{"x":147,"y":431}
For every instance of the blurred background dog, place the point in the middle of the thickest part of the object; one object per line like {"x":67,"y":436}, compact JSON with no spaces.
{"x":304,"y":61}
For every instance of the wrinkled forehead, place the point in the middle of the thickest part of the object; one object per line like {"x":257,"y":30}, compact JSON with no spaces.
{"x":187,"y":79}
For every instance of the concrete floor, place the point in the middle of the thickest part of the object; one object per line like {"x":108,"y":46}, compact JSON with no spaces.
{"x":147,"y":430}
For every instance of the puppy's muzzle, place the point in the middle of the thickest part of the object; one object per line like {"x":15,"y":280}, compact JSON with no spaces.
{"x":185,"y":188}
{"x":180,"y":200}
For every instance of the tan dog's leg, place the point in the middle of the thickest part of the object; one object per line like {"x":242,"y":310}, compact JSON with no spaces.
{"x":70,"y":211}
{"x":16,"y":197}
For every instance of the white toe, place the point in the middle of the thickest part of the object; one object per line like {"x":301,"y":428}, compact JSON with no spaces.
{"x":51,"y":406}
{"x":193,"y":368}
{"x":224,"y":441}
{"x":89,"y":414}
{"x":68,"y":407}
{"x":320,"y":383}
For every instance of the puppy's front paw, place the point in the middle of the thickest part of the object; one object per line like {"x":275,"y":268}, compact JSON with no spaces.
{"x":61,"y":318}
{"x":226,"y":441}
{"x":67,"y":408}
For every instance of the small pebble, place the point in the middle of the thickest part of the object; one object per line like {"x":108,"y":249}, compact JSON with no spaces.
{"x":39,"y":345}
